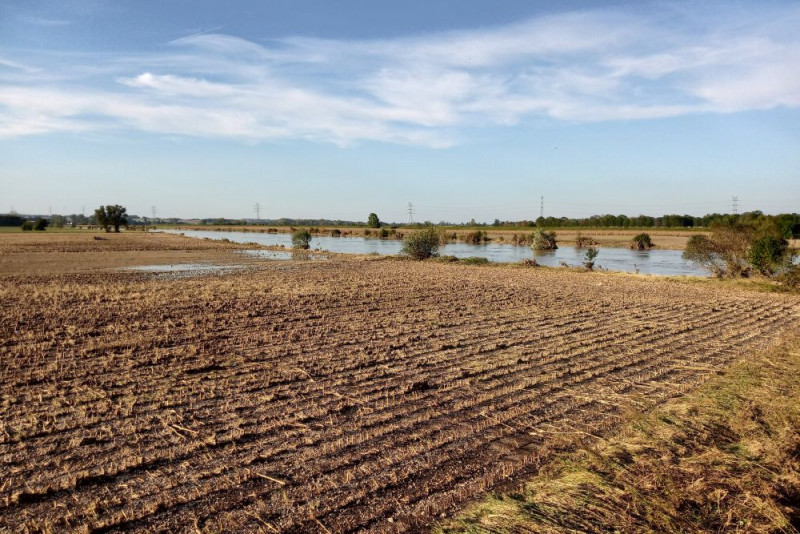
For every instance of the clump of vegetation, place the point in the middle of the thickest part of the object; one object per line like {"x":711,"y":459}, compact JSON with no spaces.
{"x":108,"y":216}
{"x":642,"y":242}
{"x":542,"y":240}
{"x":384,"y":233}
{"x":735,"y":250}
{"x":588,"y":258}
{"x":475,"y":238}
{"x":336,"y":232}
{"x":422,"y":244}
{"x":529,"y":263}
{"x":301,"y":239}
{"x":582,"y":241}
{"x":27,"y":226}
{"x":474,"y":260}
{"x":768,"y":254}
{"x":447,"y":259}
{"x":373,"y":221}
{"x":40,"y":224}
{"x":791,"y":277}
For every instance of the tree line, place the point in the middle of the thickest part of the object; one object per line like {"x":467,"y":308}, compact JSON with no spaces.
{"x":788,"y":223}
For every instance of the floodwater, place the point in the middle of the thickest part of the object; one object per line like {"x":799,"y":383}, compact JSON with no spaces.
{"x":281,"y":255}
{"x":661,"y":262}
{"x":180,"y":270}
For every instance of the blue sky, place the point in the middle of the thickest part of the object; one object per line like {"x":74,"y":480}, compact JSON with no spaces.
{"x":468,"y":109}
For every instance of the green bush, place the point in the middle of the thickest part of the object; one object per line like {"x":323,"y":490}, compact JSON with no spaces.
{"x":40,"y":224}
{"x":642,"y":242}
{"x":422,"y":244}
{"x":588,"y":258}
{"x":724,"y":253}
{"x":768,"y":254}
{"x":301,"y":239}
{"x":544,"y":240}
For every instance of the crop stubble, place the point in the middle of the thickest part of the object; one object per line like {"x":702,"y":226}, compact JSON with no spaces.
{"x":344,"y":395}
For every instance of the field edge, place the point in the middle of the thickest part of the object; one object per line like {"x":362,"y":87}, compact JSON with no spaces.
{"x":724,"y":457}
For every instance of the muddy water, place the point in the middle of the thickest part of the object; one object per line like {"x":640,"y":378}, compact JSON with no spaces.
{"x":662,"y":262}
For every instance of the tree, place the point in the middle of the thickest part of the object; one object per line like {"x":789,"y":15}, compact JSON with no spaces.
{"x":40,"y":224}
{"x":373,"y":221}
{"x":301,"y":239}
{"x":422,"y":244}
{"x":108,"y":216}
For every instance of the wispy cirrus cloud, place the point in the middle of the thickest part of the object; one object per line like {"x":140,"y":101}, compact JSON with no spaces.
{"x":425,"y":90}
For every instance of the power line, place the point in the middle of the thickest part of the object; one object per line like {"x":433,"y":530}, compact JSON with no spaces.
{"x":735,"y":205}
{"x":257,"y":209}
{"x":541,"y":206}
{"x":410,"y":213}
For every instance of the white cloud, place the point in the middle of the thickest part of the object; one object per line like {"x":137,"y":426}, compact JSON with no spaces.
{"x":423,"y":90}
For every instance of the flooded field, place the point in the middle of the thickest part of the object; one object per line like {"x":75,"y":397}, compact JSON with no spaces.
{"x":661,"y":262}
{"x":348,"y":395}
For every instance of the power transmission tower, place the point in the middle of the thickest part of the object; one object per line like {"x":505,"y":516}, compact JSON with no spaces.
{"x":735,"y":205}
{"x":541,"y":206}
{"x":257,"y":209}
{"x":410,"y":213}
{"x":153,"y":212}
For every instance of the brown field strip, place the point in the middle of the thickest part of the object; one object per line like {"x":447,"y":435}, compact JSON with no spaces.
{"x":358,"y":395}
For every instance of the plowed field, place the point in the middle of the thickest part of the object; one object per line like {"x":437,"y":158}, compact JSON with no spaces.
{"x":331,"y":396}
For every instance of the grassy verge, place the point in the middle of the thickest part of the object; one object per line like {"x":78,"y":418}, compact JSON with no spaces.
{"x":725,"y":458}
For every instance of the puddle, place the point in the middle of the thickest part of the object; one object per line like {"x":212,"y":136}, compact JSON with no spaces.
{"x":183,"y":269}
{"x":282,"y":255}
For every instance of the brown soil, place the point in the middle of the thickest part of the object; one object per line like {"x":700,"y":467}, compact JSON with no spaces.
{"x":46,"y":253}
{"x":343,"y":395}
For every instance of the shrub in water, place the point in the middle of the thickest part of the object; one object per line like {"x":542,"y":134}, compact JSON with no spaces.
{"x":641,"y":242}
{"x":544,"y":240}
{"x":422,"y":244}
{"x":768,"y":254}
{"x":588,"y":258}
{"x":301,"y":239}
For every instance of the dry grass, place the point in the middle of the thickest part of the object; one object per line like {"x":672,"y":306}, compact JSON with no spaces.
{"x":723,"y":459}
{"x":339,"y":395}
